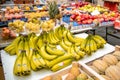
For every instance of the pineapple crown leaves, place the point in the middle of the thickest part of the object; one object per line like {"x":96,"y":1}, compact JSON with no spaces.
{"x":53,"y":9}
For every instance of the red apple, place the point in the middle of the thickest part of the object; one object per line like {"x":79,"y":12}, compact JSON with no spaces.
{"x":112,"y":19}
{"x":78,"y":18}
{"x":5,"y":30}
{"x":84,"y":22}
{"x":89,"y":21}
{"x":73,"y":16}
{"x":101,"y":19}
{"x":106,"y":19}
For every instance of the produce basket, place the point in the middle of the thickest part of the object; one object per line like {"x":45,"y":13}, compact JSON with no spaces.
{"x":107,"y":66}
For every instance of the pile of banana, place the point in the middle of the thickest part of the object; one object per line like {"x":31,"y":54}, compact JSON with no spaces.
{"x":92,"y":43}
{"x":17,"y":25}
{"x":22,"y":65}
{"x":47,"y":25}
{"x":52,"y":50}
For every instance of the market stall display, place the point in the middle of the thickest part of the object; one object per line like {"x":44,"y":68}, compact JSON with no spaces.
{"x":45,"y":53}
{"x":45,"y":43}
{"x":44,"y":72}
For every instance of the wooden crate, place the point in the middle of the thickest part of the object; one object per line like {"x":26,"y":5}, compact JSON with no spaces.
{"x":83,"y":69}
{"x":87,"y":65}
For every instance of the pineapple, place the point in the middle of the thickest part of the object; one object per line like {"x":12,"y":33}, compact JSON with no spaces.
{"x":53,"y":9}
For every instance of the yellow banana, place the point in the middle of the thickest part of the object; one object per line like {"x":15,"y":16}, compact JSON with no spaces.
{"x":25,"y":64}
{"x":54,"y":51}
{"x":59,"y":59}
{"x":44,"y":34}
{"x":101,"y":39}
{"x":65,"y":47}
{"x":18,"y":66}
{"x":93,"y":46}
{"x":78,"y":41}
{"x":61,"y":65}
{"x":52,"y":46}
{"x":26,"y":47}
{"x":98,"y":42}
{"x":40,"y":42}
{"x":13,"y":46}
{"x":20,"y":47}
{"x":87,"y":48}
{"x":31,"y":47}
{"x":47,"y":63}
{"x":33,"y":66}
{"x":66,"y":41}
{"x":36,"y":62}
{"x":70,"y":37}
{"x":60,"y":33}
{"x":57,"y":33}
{"x":45,"y":55}
{"x":41,"y":60}
{"x":51,"y":39}
{"x":73,"y":52}
{"x":11,"y":50}
{"x":80,"y":53}
{"x":83,"y":45}
{"x":54,"y":36}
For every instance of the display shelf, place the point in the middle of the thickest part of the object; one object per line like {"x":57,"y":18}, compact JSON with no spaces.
{"x":8,"y":63}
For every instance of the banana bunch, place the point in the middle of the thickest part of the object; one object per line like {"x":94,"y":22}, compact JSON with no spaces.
{"x":76,"y":53}
{"x":23,"y":45}
{"x":59,"y":31}
{"x":37,"y":62}
{"x":32,"y":41}
{"x":34,"y":20}
{"x":11,"y":49}
{"x":45,"y":54}
{"x":52,"y":38}
{"x":32,"y":27}
{"x":47,"y":25}
{"x":68,"y":39}
{"x":92,"y":43}
{"x":22,"y":65}
{"x":59,"y":59}
{"x":36,"y":14}
{"x":17,"y":25}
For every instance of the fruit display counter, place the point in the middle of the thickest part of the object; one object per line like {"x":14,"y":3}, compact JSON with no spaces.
{"x":44,"y":44}
{"x":8,"y":60}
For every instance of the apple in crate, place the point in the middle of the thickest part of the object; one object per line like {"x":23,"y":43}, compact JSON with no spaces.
{"x":5,"y":33}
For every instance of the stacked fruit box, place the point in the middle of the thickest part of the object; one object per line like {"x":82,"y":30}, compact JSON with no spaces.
{"x":107,"y":66}
{"x":74,"y":72}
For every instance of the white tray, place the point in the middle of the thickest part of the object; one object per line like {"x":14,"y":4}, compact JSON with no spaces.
{"x":8,"y":63}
